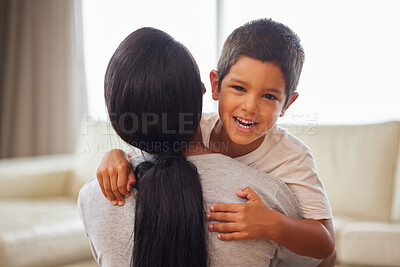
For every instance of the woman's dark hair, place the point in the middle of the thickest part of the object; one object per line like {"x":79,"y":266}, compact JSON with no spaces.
{"x":153,"y":94}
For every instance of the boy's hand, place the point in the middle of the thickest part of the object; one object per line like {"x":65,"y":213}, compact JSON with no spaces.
{"x":115,"y":176}
{"x":243,"y":221}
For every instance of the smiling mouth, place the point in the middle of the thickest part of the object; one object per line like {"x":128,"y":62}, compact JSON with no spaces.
{"x":246,"y":124}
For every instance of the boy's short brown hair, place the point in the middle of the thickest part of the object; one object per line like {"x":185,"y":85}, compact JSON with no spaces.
{"x":265,"y":40}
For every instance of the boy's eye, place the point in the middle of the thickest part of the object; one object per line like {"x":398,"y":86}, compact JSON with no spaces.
{"x":269,"y":96}
{"x":239,"y":88}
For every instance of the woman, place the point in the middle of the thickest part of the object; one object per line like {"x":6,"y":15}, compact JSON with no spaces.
{"x":153,"y":95}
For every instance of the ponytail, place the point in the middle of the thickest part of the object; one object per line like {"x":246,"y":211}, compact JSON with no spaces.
{"x":169,"y":218}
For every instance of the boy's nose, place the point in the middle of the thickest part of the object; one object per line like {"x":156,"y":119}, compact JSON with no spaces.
{"x":250,"y":105}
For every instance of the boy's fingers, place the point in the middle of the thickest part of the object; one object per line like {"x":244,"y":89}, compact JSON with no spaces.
{"x":116,"y":192}
{"x":131,"y":180}
{"x":221,"y":216}
{"x":100,"y":181}
{"x":232,"y":207}
{"x":107,"y":189}
{"x":121,"y":183}
{"x":223,"y":227}
{"x":130,"y":184}
{"x":231,"y":236}
{"x":248,"y":193}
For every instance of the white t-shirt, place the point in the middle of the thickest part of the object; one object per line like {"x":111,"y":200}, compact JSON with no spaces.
{"x":284,"y":156}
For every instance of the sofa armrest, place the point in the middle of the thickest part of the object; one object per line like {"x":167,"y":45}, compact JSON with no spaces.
{"x":31,"y":177}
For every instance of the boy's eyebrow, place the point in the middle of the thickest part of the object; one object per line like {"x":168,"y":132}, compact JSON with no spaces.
{"x":236,"y":80}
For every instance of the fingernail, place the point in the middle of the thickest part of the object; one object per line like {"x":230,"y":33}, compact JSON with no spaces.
{"x":208,"y":216}
{"x":114,"y":202}
{"x":212,"y":208}
{"x":219,"y":236}
{"x":121,"y":203}
{"x":211,"y":226}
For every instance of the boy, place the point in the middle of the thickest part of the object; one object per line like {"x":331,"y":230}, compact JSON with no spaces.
{"x":257,"y":76}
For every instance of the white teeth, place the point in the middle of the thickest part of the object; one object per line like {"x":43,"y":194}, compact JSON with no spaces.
{"x":245,"y":123}
{"x":243,"y":120}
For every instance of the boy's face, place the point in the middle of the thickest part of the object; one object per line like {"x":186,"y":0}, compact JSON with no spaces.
{"x":251,"y":99}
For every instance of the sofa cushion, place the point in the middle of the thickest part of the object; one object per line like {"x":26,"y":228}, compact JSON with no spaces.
{"x":339,"y":222}
{"x":368,"y":243}
{"x":41,"y":232}
{"x":40,"y":176}
{"x":357,"y":165}
{"x":95,"y":139}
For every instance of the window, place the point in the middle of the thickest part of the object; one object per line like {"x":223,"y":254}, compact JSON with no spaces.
{"x":106,"y":23}
{"x":352,"y":56}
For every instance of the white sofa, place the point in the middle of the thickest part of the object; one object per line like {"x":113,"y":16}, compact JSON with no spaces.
{"x":39,"y":223}
{"x":360,"y":167}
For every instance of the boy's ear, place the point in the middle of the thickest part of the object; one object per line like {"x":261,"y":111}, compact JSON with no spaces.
{"x":214,"y":84}
{"x":291,"y":100}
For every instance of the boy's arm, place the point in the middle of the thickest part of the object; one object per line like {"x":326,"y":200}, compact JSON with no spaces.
{"x":254,"y":220}
{"x":115,"y":176}
{"x":306,"y":237}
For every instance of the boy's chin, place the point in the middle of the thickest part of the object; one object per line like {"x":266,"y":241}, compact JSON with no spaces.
{"x":245,"y":141}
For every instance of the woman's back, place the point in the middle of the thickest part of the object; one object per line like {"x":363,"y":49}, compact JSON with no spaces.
{"x":110,"y":228}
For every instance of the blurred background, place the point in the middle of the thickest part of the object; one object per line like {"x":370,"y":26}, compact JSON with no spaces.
{"x":351,"y":48}
{"x":53,"y":129}
{"x":53,"y":59}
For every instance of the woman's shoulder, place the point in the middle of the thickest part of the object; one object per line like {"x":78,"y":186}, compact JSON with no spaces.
{"x":224,"y":173}
{"x":93,"y":203}
{"x":89,"y":190}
